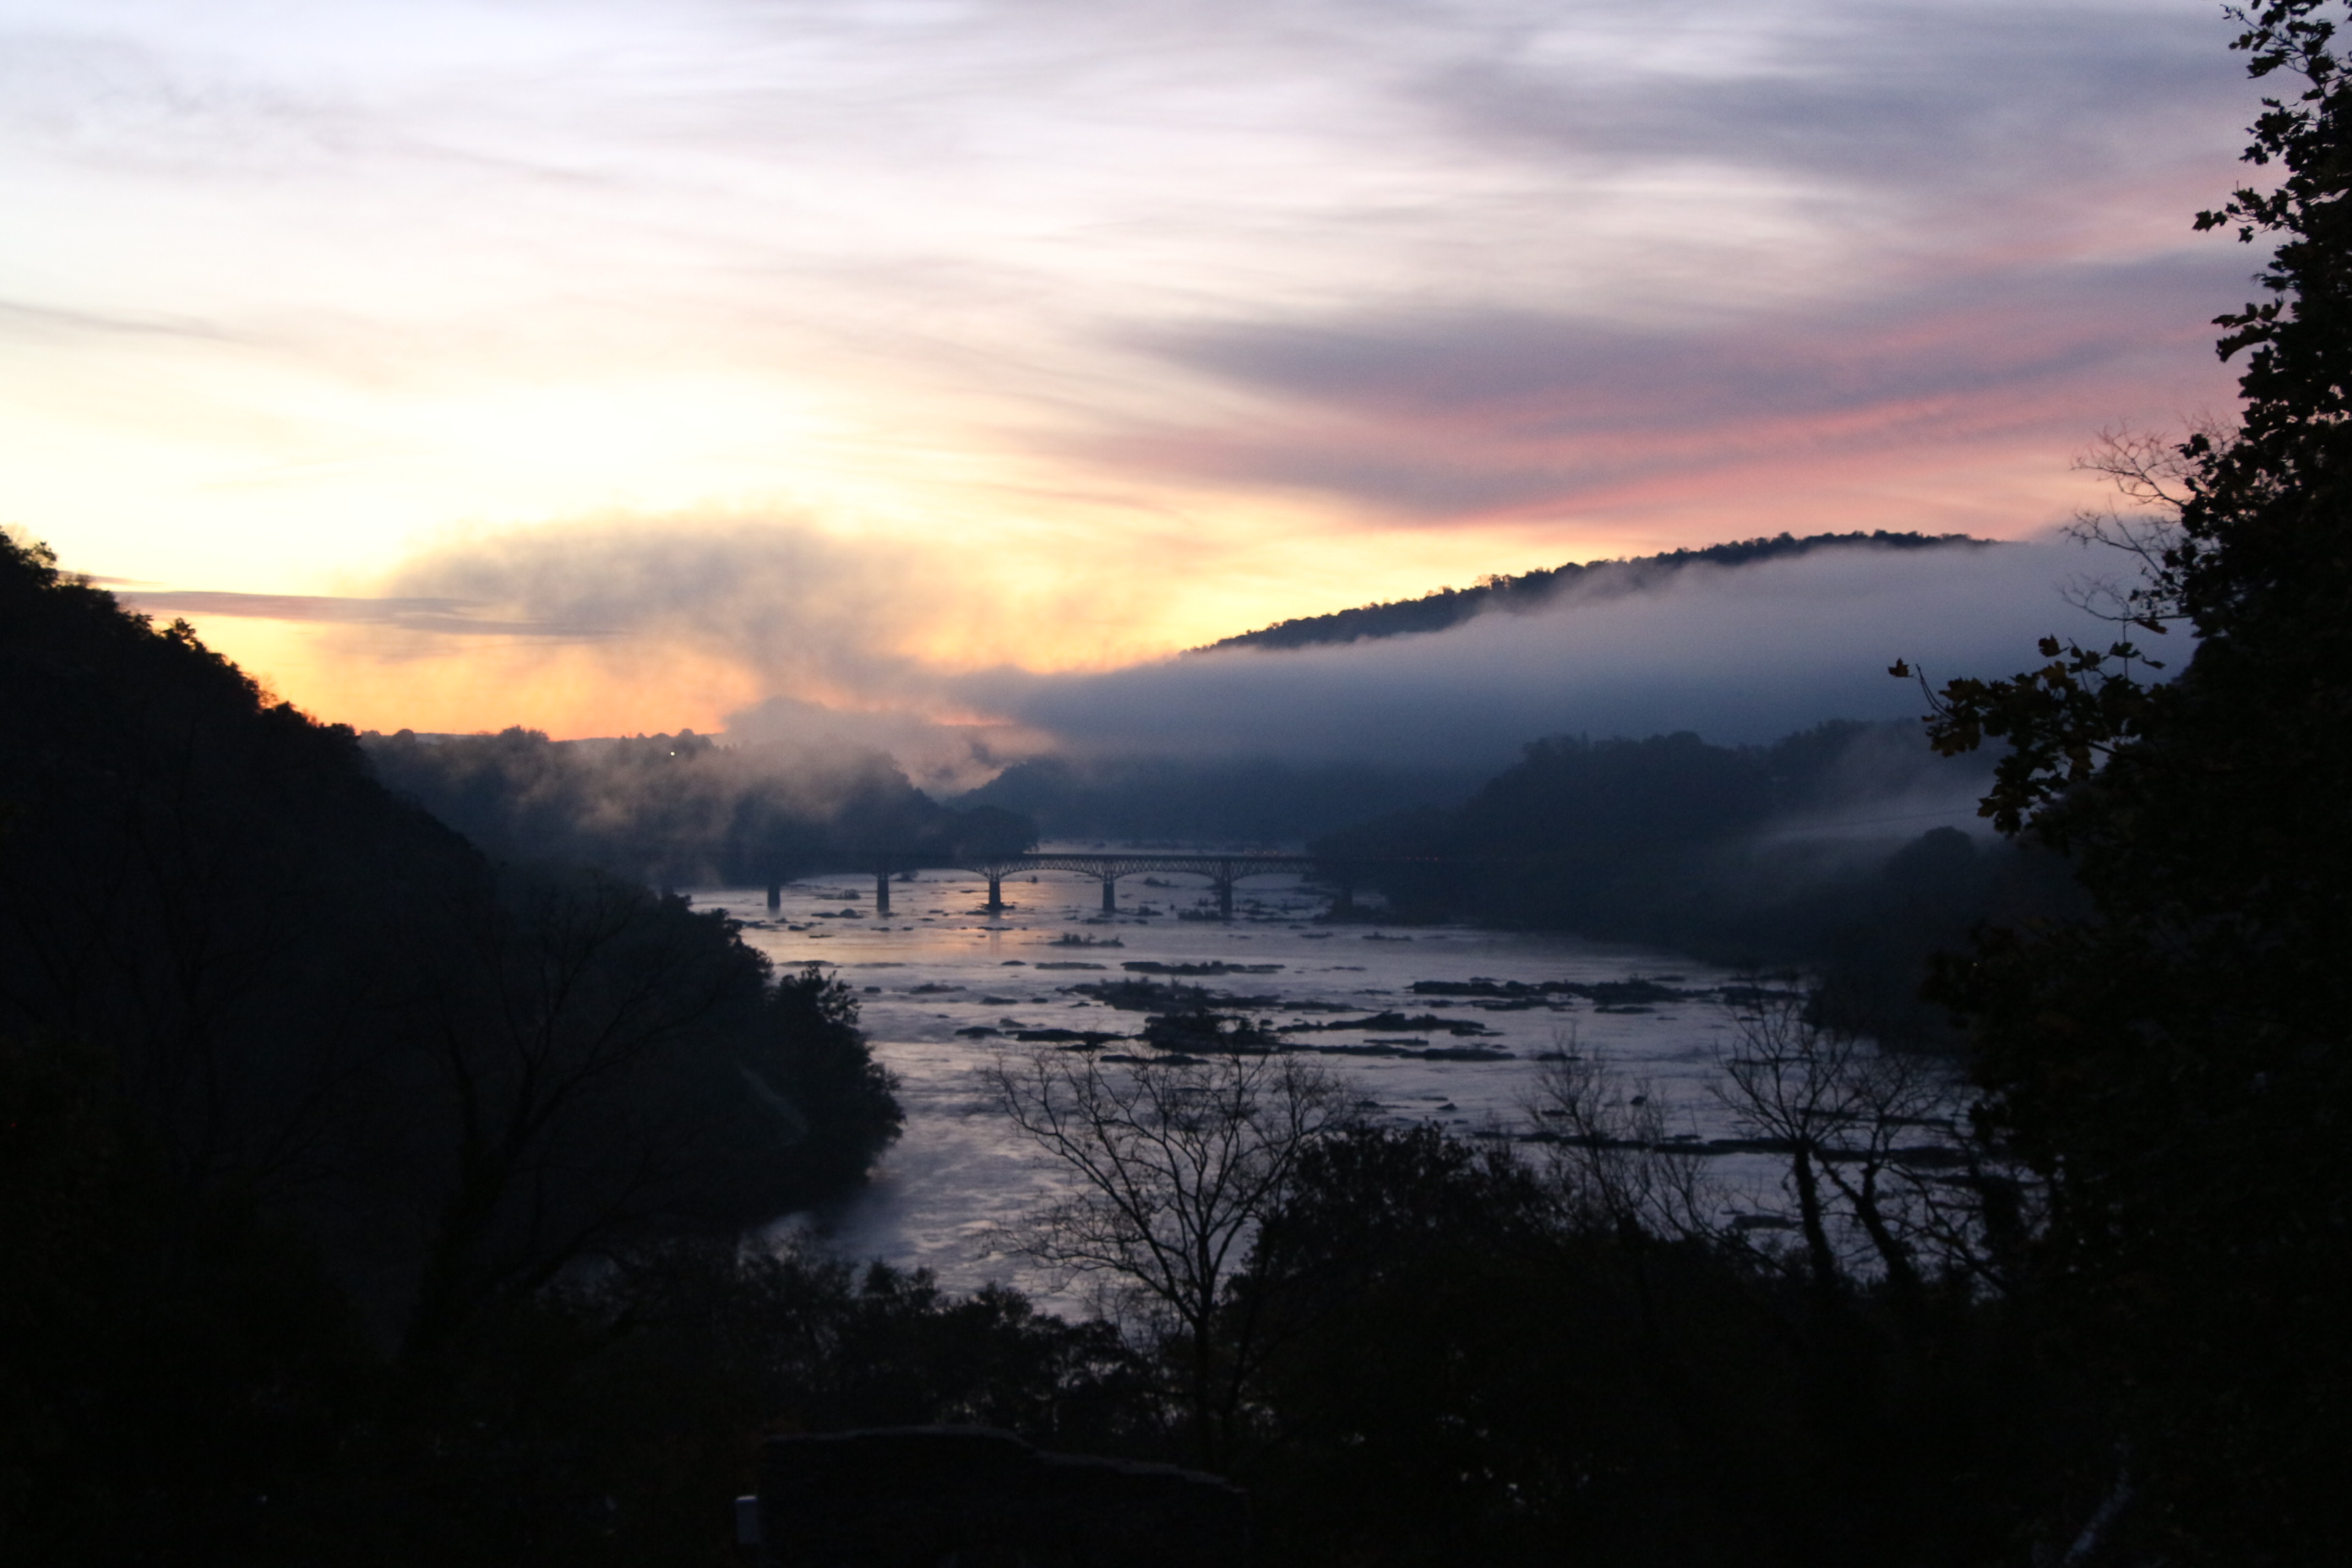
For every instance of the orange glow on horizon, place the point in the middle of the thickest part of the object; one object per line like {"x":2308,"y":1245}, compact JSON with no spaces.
{"x":1103,"y":608}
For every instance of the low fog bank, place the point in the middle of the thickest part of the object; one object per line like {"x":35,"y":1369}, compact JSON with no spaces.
{"x":1739,"y":655}
{"x":1688,"y":793}
{"x":673,"y":810}
{"x":1740,"y":648}
{"x":1276,"y":744}
{"x":1848,"y":849}
{"x":1868,"y":781}
{"x":945,"y":759}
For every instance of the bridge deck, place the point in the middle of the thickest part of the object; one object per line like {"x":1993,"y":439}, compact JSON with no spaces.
{"x":1121,"y":863}
{"x":1222,"y":869}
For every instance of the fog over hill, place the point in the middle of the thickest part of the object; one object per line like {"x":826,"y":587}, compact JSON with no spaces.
{"x":1262,"y":740}
{"x":1739,"y":643}
{"x":1529,"y":591}
{"x":1744,"y":651}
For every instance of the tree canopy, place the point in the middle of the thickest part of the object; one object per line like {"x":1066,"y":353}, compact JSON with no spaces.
{"x":1441,"y":608}
{"x":309,"y":1103}
{"x":2177,"y":1060}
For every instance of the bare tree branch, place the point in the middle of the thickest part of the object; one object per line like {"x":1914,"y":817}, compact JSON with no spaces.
{"x":1177,"y":1165}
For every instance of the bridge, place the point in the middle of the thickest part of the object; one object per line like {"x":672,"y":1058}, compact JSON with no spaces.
{"x":1222,"y":870}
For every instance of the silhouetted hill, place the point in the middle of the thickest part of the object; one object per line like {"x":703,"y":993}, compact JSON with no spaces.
{"x":1445,"y":607}
{"x":1258,"y":801}
{"x":308,"y":1103}
{"x":1806,"y":854}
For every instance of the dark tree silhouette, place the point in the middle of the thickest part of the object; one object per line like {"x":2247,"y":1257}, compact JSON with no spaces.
{"x":1175,"y":1165}
{"x":2177,"y":1062}
{"x":1445,"y":607}
{"x":311,"y":1108}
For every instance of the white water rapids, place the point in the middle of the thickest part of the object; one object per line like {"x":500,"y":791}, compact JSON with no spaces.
{"x":939,"y":965}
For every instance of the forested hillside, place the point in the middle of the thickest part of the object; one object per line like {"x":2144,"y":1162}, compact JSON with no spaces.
{"x":1258,"y":801}
{"x":310,"y":1104}
{"x":1805,"y":855}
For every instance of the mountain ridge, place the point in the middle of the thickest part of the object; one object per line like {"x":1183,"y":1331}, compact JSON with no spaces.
{"x":1442,"y":608}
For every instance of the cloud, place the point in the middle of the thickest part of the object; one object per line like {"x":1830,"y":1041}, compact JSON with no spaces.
{"x":816,"y":643}
{"x":947,"y":758}
{"x":1744,"y":654}
{"x":796,"y":607}
{"x":441,"y":259}
{"x":420,"y":615}
{"x":819,"y":641}
{"x":1009,"y":332}
{"x":21,"y":320}
{"x":1917,"y":102}
{"x":1571,"y":375}
{"x":810,"y":646}
{"x":1451,"y":413}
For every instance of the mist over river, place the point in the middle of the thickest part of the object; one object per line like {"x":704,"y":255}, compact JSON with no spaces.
{"x":942,"y":985}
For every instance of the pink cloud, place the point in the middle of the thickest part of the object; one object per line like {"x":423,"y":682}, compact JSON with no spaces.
{"x":1465,"y":416}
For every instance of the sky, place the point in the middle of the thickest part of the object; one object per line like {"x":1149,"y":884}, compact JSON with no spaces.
{"x":607,"y":366}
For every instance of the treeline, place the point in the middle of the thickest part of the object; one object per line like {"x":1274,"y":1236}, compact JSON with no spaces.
{"x":1417,"y":1349}
{"x":1519,"y":1354}
{"x":1795,"y":855}
{"x":1528,"y":591}
{"x":1252,"y":801}
{"x":1486,"y":1367}
{"x":309,"y":1106}
{"x":682,"y":810}
{"x":2179,"y":1058}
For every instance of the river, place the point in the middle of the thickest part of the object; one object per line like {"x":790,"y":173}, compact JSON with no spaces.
{"x":942,"y":985}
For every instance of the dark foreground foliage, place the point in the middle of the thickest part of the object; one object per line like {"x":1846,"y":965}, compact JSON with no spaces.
{"x":306,"y":1101}
{"x":1464,"y":1362}
{"x":2176,"y":1059}
{"x":1486,"y":1370}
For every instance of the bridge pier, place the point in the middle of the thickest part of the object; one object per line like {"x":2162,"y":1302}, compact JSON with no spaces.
{"x":1224,"y":878}
{"x":996,"y":892}
{"x":882,"y":891}
{"x":1111,"y":892}
{"x":775,"y":897}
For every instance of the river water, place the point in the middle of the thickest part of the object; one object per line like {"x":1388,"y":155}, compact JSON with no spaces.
{"x":942,"y":985}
